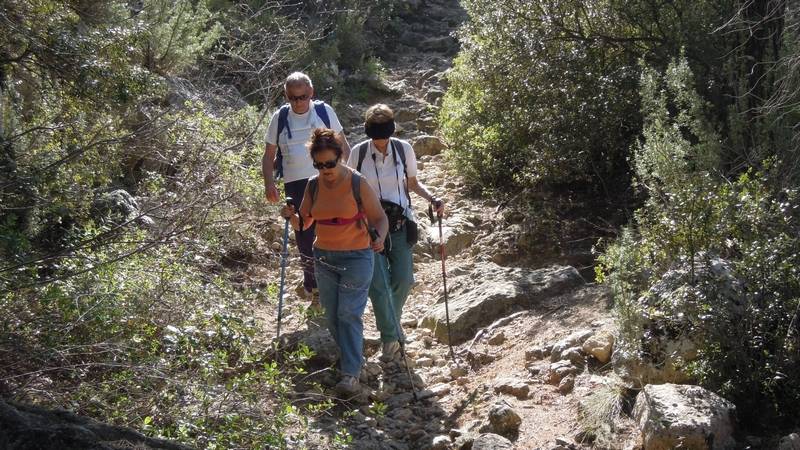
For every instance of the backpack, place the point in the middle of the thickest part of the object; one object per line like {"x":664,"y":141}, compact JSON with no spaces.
{"x":355,"y":183}
{"x":283,"y":123}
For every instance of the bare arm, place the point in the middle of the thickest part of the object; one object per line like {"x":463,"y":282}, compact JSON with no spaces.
{"x":305,"y":209}
{"x":288,"y":212}
{"x":420,"y":189}
{"x":267,"y":167}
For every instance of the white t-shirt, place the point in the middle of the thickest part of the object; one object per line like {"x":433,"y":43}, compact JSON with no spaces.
{"x":384,"y":175}
{"x":297,"y":163}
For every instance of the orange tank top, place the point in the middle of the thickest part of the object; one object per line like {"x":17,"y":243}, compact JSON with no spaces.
{"x":338,"y":202}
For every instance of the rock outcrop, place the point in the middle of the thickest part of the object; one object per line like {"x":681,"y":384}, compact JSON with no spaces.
{"x":684,"y":416}
{"x":488,"y":292}
{"x":674,"y":322}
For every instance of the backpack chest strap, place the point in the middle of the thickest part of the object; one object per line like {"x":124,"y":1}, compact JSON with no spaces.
{"x":343,"y":221}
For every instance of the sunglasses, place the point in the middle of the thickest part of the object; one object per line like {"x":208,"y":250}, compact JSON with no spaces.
{"x":326,"y":165}
{"x":298,"y":98}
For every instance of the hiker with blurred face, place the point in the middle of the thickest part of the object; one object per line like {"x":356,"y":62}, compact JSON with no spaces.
{"x":343,"y":209}
{"x":286,"y":155}
{"x":390,"y":167}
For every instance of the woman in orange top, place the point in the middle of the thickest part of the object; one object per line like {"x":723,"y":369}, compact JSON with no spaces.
{"x":343,"y":248}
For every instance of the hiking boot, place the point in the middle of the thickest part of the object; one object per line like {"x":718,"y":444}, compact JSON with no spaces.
{"x":348,"y":385}
{"x":389,"y":351}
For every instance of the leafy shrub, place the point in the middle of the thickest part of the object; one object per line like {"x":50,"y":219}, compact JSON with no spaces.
{"x":546,"y":92}
{"x":692,"y":210}
{"x":144,"y":320}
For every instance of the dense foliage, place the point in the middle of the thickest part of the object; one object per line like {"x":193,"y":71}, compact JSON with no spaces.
{"x":135,"y":309}
{"x":692,"y":216}
{"x":693,"y":106}
{"x":546,"y":92}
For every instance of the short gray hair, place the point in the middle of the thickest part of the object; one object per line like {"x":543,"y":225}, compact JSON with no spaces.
{"x":297,"y":78}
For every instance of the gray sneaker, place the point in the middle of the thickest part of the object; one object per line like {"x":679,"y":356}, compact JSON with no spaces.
{"x":348,"y":385}
{"x":390,"y":349}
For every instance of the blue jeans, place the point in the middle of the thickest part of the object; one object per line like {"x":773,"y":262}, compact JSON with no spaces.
{"x":391,"y":283}
{"x":343,"y":278}
{"x":304,"y":239}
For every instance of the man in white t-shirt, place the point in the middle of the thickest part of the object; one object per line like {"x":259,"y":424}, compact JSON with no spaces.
{"x":299,"y":120}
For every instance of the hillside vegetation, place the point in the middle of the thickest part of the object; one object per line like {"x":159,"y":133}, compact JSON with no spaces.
{"x":683,"y":113}
{"x":131,"y":199}
{"x":131,"y":135}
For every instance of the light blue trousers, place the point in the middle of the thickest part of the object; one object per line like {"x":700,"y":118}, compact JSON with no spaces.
{"x":343,"y":279}
{"x":388,"y":299}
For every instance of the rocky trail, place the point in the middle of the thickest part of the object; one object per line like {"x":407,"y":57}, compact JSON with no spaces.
{"x":528,"y":343}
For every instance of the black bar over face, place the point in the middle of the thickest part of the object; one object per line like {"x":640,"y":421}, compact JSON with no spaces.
{"x":379,"y":130}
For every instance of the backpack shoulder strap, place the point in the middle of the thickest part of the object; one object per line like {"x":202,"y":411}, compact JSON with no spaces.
{"x":362,"y":152}
{"x":402,"y":155}
{"x":356,"y":182}
{"x":313,"y":189}
{"x":322,"y":112}
{"x":283,"y":120}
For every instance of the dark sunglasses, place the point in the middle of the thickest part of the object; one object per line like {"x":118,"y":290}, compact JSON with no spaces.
{"x":298,"y":98}
{"x":326,"y":165}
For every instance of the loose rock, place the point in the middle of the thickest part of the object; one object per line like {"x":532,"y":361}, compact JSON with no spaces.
{"x":567,"y":384}
{"x":534,"y":353}
{"x":559,"y":370}
{"x":504,"y":420}
{"x":489,"y":441}
{"x":440,"y":443}
{"x":575,"y":339}
{"x":511,"y":386}
{"x":600,"y":346}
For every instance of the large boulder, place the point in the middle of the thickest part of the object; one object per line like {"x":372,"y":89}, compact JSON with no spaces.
{"x":674,"y":415}
{"x":675,"y":322}
{"x":479,"y":296}
{"x":28,"y":428}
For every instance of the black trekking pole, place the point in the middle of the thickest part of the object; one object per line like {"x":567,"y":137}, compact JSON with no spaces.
{"x":400,"y":337}
{"x":284,"y":257}
{"x":444,"y":280}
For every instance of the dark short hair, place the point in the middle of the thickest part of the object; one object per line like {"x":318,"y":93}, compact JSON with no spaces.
{"x":324,"y":139}
{"x":379,"y":113}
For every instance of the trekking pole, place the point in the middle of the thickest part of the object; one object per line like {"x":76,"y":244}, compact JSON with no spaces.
{"x":444,"y":280}
{"x":400,"y":337}
{"x":284,"y":257}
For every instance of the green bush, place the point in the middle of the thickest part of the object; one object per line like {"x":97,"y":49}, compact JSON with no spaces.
{"x":694,"y":213}
{"x":143,"y":320}
{"x":546,"y":92}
